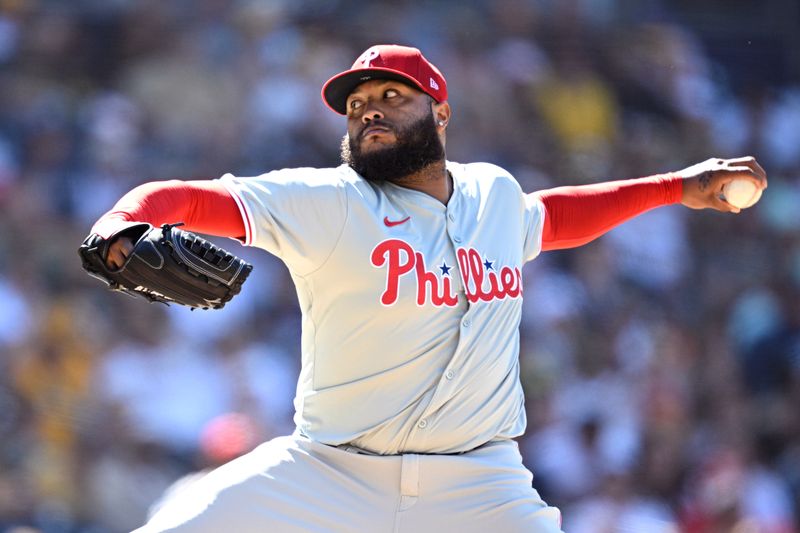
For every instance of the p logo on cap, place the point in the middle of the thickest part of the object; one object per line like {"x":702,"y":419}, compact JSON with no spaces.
{"x":369,"y":55}
{"x":385,"y":62}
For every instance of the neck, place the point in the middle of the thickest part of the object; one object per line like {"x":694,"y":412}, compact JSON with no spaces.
{"x":433,"y":180}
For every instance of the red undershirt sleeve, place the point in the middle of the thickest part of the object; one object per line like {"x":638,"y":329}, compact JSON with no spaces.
{"x":204,"y":206}
{"x":579,"y":214}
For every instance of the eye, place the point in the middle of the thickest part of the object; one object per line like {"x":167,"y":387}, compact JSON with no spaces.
{"x":391,"y":93}
{"x":355,"y":104}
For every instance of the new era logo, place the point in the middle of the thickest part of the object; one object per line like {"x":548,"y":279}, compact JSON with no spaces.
{"x":434,"y":85}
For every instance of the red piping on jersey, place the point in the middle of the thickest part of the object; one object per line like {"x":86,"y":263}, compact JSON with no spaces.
{"x":577,"y":215}
{"x":245,"y":213}
{"x":204,"y":206}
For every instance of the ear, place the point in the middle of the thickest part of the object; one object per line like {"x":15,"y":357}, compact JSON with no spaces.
{"x":441,"y":114}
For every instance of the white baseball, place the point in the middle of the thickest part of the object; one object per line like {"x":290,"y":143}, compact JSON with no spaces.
{"x":741,"y":193}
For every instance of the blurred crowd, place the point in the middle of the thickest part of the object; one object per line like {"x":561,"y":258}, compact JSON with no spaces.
{"x":661,"y":363}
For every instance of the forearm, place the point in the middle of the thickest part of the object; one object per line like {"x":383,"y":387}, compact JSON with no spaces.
{"x":577,"y":215}
{"x":204,"y":206}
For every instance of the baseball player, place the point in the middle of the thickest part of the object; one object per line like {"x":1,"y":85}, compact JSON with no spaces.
{"x":408,"y":272}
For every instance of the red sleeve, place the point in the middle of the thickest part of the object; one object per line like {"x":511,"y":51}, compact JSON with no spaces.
{"x":204,"y":206}
{"x":577,"y":215}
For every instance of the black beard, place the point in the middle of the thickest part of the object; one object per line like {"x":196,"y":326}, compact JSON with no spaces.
{"x":418,"y":145}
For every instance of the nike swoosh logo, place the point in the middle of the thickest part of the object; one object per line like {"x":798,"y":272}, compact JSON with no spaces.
{"x":390,"y":223}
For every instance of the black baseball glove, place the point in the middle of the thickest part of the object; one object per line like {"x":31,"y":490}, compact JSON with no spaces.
{"x":168,"y":265}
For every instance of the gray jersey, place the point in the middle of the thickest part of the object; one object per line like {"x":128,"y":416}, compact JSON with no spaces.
{"x":411,"y":308}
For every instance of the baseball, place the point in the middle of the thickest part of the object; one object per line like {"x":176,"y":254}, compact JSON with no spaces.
{"x":741,"y":193}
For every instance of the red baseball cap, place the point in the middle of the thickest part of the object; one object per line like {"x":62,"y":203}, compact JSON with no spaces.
{"x":385,"y":62}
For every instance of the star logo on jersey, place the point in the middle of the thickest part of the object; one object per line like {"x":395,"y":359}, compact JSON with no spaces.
{"x":445,"y":269}
{"x":392,"y":223}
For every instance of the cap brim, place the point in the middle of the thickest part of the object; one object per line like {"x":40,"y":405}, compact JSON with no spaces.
{"x":338,"y":88}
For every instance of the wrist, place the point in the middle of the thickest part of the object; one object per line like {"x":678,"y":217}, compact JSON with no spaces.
{"x":111,"y":224}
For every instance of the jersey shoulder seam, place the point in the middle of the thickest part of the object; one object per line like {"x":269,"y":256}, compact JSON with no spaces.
{"x":341,"y":231}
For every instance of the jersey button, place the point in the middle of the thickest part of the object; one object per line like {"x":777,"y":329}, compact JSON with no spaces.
{"x":466,"y":323}
{"x":449,"y":374}
{"x":422,"y":424}
{"x":452,"y":217}
{"x":457,"y":239}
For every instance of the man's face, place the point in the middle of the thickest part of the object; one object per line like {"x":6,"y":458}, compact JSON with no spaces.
{"x":391,"y":131}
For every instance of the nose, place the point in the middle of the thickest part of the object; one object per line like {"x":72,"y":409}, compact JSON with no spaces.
{"x":371,"y":113}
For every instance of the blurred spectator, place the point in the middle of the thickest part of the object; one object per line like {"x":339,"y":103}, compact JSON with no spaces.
{"x":223,"y":439}
{"x":164,"y":390}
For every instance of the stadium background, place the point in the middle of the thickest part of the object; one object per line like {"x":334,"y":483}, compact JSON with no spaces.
{"x":661,"y":363}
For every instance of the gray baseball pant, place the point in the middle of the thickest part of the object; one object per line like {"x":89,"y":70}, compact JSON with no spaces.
{"x":292,"y":484}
